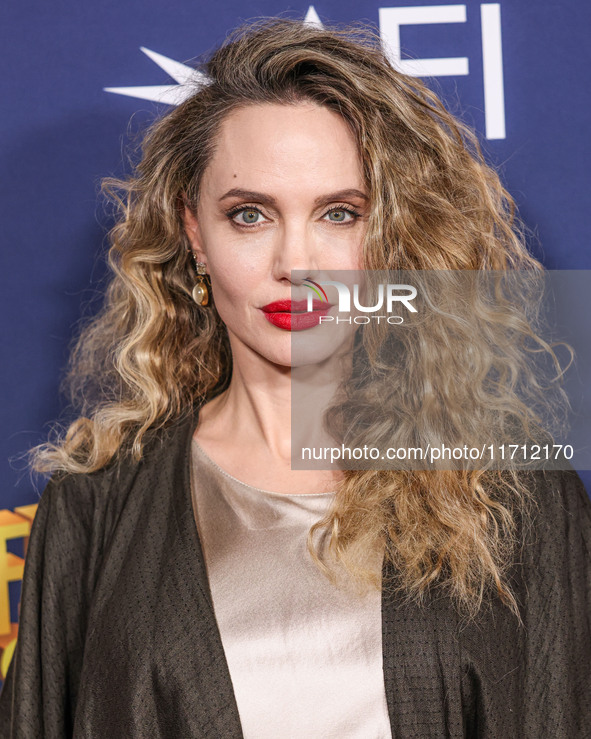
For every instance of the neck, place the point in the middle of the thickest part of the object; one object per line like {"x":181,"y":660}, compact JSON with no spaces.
{"x":267,"y":406}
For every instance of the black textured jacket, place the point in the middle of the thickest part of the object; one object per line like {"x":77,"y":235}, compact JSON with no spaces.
{"x":118,"y":638}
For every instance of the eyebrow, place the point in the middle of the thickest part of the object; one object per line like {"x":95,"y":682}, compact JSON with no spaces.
{"x":262,"y":197}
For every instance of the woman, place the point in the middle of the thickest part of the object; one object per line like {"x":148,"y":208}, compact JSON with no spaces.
{"x":168,"y":590}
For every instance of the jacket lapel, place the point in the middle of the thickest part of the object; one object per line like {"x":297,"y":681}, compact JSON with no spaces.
{"x":218,"y":710}
{"x":421,"y":662}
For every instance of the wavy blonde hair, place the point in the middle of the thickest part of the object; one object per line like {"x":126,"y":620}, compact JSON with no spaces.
{"x":151,"y":353}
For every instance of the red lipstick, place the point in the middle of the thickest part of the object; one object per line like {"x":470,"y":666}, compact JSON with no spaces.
{"x":292,"y":315}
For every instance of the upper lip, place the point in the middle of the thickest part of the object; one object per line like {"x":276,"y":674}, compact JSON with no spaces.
{"x":294,"y":306}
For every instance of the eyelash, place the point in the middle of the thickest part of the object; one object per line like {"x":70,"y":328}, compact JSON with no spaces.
{"x":240,"y":208}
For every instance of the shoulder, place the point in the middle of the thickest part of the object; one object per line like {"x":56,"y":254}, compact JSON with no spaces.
{"x":557,"y":608}
{"x":83,"y":508}
{"x":561,"y":521}
{"x":533,"y":678}
{"x":78,"y":538}
{"x":556,"y":566}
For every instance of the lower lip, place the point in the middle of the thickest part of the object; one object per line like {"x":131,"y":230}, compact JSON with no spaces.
{"x":296,"y":321}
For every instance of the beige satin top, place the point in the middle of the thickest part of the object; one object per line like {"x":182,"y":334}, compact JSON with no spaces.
{"x":305,"y":657}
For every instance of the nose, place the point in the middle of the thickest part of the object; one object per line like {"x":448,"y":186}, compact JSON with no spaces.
{"x":295,"y":249}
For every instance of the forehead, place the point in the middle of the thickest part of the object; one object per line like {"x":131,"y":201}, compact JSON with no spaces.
{"x":285,"y":143}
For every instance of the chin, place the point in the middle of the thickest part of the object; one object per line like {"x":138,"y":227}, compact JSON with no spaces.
{"x":290,"y":359}
{"x":276,"y":356}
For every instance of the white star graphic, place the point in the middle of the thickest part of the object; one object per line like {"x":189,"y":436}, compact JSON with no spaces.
{"x":312,"y":18}
{"x":187,"y":78}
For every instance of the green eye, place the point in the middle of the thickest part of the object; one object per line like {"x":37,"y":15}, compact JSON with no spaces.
{"x":341,"y":215}
{"x":250,"y":215}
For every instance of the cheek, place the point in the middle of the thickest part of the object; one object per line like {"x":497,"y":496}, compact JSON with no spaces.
{"x":357,"y":261}
{"x":234,"y":290}
{"x":349,"y":254}
{"x":236,"y":273}
{"x":226,"y":289}
{"x":358,"y":256}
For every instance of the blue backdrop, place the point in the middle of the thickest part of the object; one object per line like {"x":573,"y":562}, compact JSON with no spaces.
{"x":517,"y":71}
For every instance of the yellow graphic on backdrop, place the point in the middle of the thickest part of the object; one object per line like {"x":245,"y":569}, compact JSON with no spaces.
{"x":13,"y":525}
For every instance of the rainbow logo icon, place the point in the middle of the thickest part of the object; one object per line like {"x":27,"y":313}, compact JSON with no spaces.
{"x":316,"y":288}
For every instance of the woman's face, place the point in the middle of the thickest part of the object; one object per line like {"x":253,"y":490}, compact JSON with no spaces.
{"x":284,"y":191}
